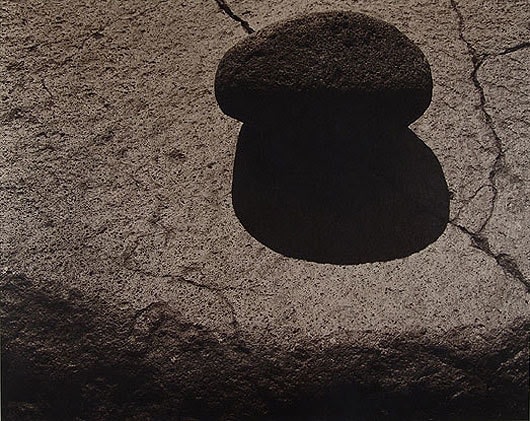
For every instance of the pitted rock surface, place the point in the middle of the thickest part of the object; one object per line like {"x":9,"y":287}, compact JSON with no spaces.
{"x":335,"y":62}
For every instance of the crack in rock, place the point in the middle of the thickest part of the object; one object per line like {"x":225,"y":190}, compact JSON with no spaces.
{"x":228,"y":11}
{"x":505,"y":261}
{"x":515,"y":48}
{"x":477,"y":60}
{"x":479,"y":241}
{"x":217,"y":291}
{"x":45,"y":87}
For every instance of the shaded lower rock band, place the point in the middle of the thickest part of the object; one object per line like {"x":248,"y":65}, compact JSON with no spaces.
{"x":65,"y":356}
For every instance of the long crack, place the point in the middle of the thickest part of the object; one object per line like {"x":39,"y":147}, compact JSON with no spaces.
{"x":480,"y":241}
{"x":477,"y":60}
{"x":228,"y":11}
{"x":506,"y":262}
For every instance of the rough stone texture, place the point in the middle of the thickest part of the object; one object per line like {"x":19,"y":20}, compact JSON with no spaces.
{"x":341,"y":63}
{"x":507,"y":227}
{"x":144,"y":297}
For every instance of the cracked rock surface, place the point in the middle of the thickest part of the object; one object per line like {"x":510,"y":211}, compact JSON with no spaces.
{"x":129,"y":289}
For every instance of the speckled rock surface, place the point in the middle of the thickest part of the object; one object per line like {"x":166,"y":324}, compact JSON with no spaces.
{"x":131,"y":291}
{"x":338,"y":63}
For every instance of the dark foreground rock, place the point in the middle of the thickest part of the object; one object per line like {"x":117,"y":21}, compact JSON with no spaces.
{"x":339,"y":64}
{"x":66,"y":357}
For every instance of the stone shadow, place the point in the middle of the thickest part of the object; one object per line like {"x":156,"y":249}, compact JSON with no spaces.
{"x":337,"y":193}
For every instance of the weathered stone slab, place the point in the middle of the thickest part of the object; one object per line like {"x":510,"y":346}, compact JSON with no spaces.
{"x":142,"y":295}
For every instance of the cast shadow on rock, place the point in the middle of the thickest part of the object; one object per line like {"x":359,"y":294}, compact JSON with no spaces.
{"x":339,"y":195}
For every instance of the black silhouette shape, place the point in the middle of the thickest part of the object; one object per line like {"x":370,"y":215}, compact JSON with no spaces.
{"x":382,"y":199}
{"x":327,"y":171}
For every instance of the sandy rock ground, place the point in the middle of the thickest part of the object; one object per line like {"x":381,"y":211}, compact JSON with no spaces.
{"x":131,"y":291}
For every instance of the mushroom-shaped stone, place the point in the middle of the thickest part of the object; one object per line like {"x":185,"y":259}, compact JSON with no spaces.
{"x":325,"y":65}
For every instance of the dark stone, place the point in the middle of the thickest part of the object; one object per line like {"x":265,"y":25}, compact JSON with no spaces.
{"x":325,"y":168}
{"x":349,"y":64}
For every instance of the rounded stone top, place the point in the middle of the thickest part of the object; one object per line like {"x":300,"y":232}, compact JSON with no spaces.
{"x":342,"y":64}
